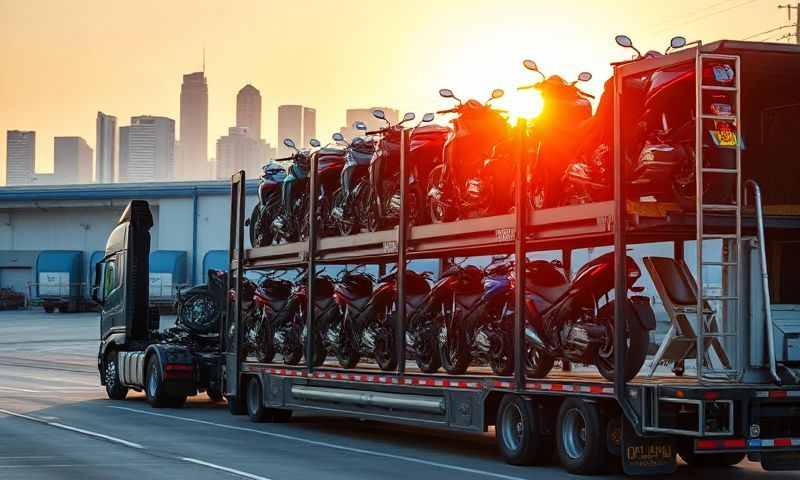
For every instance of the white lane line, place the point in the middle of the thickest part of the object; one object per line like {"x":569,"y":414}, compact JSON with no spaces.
{"x":223,"y":469}
{"x":26,"y":390}
{"x":126,"y":443}
{"x":73,"y":429}
{"x":329,"y":445}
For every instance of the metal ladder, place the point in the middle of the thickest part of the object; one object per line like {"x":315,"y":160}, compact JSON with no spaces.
{"x":719,"y":315}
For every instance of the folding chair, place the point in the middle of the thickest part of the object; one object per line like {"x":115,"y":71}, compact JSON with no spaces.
{"x":677,"y":288}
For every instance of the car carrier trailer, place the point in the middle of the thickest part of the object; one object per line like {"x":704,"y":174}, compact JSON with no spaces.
{"x":134,"y":353}
{"x":747,"y":405}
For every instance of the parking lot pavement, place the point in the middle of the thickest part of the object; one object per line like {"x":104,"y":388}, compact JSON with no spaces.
{"x":55,"y":422}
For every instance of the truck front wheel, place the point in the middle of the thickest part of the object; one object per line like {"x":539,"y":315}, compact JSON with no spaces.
{"x":114,"y":388}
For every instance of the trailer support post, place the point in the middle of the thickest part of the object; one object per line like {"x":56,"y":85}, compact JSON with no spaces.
{"x":620,"y":260}
{"x":519,"y":254}
{"x":402,"y":241}
{"x":234,"y":281}
{"x":311,"y":273}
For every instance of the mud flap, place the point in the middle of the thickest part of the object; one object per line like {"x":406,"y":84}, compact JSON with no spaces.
{"x":777,"y":461}
{"x":652,"y":455}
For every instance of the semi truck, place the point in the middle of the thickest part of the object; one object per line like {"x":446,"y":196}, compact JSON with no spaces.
{"x":735,"y":395}
{"x":135,"y":353}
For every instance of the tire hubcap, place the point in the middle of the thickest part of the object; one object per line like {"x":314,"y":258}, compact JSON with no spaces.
{"x":574,"y":434}
{"x":513,"y":428}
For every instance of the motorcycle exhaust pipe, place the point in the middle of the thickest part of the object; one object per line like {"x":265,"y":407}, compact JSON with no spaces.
{"x":533,"y":337}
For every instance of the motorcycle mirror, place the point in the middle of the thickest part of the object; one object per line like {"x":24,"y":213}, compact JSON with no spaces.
{"x":624,"y":41}
{"x":446,"y":93}
{"x":289,"y":143}
{"x":428,"y":117}
{"x":359,"y":125}
{"x":379,"y":114}
{"x":584,"y":76}
{"x":408,"y":117}
{"x":314,"y":143}
{"x":337,"y":137}
{"x":497,"y":93}
{"x":676,"y":42}
{"x":530,"y":65}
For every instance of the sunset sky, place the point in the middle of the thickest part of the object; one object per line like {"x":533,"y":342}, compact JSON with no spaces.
{"x":62,"y":61}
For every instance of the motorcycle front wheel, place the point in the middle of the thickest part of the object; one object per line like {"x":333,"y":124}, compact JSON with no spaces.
{"x":260,"y":229}
{"x":265,"y":342}
{"x":439,"y":210}
{"x":454,"y":351}
{"x":385,"y":352}
{"x":348,"y":224}
{"x":293,"y":350}
{"x":538,"y":363}
{"x":427,"y":352}
{"x":638,"y":339}
{"x":347,"y":350}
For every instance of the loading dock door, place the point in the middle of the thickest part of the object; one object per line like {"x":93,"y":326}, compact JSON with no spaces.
{"x":16,"y":279}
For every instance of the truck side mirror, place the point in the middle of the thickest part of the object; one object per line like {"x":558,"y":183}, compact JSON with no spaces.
{"x":96,"y":291}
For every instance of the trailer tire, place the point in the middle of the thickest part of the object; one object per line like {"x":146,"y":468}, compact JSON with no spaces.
{"x":114,"y":388}
{"x":255,"y":404}
{"x":236,"y":404}
{"x":718,"y":460}
{"x":581,"y":437}
{"x":518,"y":432}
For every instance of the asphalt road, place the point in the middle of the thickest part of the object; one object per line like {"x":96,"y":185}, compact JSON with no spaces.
{"x":55,"y":422}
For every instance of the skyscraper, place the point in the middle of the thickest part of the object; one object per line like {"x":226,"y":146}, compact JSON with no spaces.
{"x":105,"y":144}
{"x":239,"y":151}
{"x":248,"y":110}
{"x":309,"y":124}
{"x":365,"y":115}
{"x":72,"y":161}
{"x":194,"y":127}
{"x":290,"y":125}
{"x":20,"y":156}
{"x":147,"y":150}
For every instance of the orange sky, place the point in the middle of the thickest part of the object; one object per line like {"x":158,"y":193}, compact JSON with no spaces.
{"x":61,"y":61}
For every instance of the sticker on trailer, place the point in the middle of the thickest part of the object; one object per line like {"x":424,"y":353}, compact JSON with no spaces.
{"x":646,"y":455}
{"x":53,"y":284}
{"x":160,"y":284}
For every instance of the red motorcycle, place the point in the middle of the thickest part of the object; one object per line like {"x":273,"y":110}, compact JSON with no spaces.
{"x":425,"y":151}
{"x":476,"y":163}
{"x":659,"y":146}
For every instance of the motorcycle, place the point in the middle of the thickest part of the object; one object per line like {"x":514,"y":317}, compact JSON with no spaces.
{"x":476,"y":162}
{"x":271,"y":298}
{"x":659,"y":152}
{"x":354,"y":190}
{"x":290,"y":221}
{"x":566,"y":108}
{"x":368,"y":322}
{"x":574,"y":320}
{"x":331,"y":161}
{"x":473,"y":322}
{"x":424,"y":152}
{"x":269,"y":203}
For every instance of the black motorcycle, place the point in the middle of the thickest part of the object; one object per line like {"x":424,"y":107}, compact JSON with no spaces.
{"x":574,"y":320}
{"x":474,"y":324}
{"x":353,"y":194}
{"x":268,"y":206}
{"x":271,"y":298}
{"x":290,"y":222}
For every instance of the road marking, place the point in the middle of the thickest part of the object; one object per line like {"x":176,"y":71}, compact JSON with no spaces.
{"x":73,"y":429}
{"x":224,"y":469}
{"x":121,"y":442}
{"x":325,"y":444}
{"x":26,"y":390}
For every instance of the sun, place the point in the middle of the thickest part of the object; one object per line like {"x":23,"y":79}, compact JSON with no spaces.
{"x":527,"y":104}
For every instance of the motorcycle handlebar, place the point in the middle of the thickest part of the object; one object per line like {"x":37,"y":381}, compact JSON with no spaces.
{"x":285,"y":159}
{"x":451,"y":110}
{"x":587,"y":95}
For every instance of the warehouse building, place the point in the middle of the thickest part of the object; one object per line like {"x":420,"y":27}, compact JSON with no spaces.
{"x":190,"y":231}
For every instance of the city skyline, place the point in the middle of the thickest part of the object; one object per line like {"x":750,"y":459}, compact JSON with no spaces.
{"x":140,"y":62}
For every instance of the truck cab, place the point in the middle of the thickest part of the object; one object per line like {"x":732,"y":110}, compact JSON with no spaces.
{"x":134,"y":353}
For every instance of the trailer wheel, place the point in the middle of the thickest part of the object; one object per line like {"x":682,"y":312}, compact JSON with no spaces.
{"x":518,"y":432}
{"x":581,"y":437}
{"x":453,"y":350}
{"x":114,"y":388}
{"x":255,"y":405}
{"x":686,"y":451}
{"x":235,"y":402}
